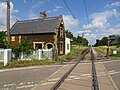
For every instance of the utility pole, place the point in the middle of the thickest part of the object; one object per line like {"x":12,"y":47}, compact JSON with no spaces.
{"x":108,"y":48}
{"x":8,"y":22}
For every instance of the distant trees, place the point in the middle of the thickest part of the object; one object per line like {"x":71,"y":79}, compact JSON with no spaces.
{"x":3,"y":40}
{"x":118,"y":41}
{"x":77,"y":40}
{"x":102,"y":42}
{"x":69,"y":34}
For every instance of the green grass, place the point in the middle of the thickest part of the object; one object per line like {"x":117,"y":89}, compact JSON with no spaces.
{"x":23,"y":63}
{"x":114,"y":58}
{"x":103,"y":50}
{"x":1,"y":65}
{"x":74,"y":52}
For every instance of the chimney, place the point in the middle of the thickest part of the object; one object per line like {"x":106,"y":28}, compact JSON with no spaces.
{"x":43,"y":15}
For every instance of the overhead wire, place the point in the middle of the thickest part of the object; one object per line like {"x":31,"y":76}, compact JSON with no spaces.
{"x":86,"y":11}
{"x":72,"y":13}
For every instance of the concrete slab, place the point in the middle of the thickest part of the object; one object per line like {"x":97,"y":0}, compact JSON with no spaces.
{"x":79,"y":79}
{"x":71,"y":86}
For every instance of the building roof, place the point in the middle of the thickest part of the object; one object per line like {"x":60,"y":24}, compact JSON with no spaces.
{"x":35,"y":26}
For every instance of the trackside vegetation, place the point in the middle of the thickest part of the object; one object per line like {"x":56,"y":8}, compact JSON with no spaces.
{"x":61,"y":59}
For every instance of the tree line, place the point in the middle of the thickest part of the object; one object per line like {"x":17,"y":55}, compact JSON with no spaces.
{"x":104,"y":42}
{"x":76,"y":40}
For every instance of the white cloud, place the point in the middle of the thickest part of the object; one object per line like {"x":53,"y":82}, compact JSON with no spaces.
{"x":38,"y":3}
{"x":3,"y":11}
{"x":115,"y":4}
{"x":32,"y":15}
{"x":55,"y":9}
{"x":58,"y":7}
{"x":101,"y":26}
{"x":100,"y":20}
{"x":70,"y":22}
{"x":91,"y":38}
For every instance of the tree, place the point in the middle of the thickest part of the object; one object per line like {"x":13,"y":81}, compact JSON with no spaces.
{"x":79,"y":40}
{"x":118,"y":41}
{"x":69,"y":34}
{"x":3,"y":40}
{"x":24,"y":47}
{"x":76,"y":40}
{"x":85,"y":42}
{"x":104,"y":41}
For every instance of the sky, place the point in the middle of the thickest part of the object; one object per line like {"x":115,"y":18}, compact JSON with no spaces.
{"x":95,"y":18}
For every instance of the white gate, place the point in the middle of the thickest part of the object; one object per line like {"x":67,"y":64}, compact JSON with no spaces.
{"x":38,"y":54}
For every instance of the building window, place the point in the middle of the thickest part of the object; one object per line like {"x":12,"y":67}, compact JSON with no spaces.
{"x":13,"y":38}
{"x":61,"y":32}
{"x":49,"y":45}
{"x":61,"y":47}
{"x":67,"y":46}
{"x":38,"y":45}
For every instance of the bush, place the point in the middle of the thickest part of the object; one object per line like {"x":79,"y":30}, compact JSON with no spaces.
{"x":118,"y":52}
{"x":24,"y":47}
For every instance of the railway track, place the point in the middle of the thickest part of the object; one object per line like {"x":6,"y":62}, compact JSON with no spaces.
{"x":94,"y":85}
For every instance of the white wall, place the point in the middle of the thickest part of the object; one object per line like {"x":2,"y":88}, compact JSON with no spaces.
{"x":67,"y":45}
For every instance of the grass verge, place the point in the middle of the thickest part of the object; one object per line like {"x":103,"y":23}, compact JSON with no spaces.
{"x":1,"y":65}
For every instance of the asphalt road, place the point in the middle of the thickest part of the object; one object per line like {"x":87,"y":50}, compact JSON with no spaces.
{"x":25,"y":78}
{"x":114,"y":70}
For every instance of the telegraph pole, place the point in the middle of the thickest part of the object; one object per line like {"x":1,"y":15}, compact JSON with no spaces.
{"x":8,"y":22}
{"x":108,"y":48}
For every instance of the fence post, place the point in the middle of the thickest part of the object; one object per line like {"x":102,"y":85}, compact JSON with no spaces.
{"x":39,"y":51}
{"x":7,"y":56}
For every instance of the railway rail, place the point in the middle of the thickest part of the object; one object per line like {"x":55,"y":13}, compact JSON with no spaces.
{"x":94,"y":75}
{"x":61,"y":80}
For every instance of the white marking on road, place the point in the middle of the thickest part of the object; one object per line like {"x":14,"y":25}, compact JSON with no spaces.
{"x":55,"y":79}
{"x":113,"y":83}
{"x":49,"y":77}
{"x":72,"y":76}
{"x":12,"y":84}
{"x":111,"y":61}
{"x":29,"y":82}
{"x":20,"y":84}
{"x":47,"y":83}
{"x":31,"y":67}
{"x":5,"y":85}
{"x":86,"y":75}
{"x":111,"y":71}
{"x":114,"y":73}
{"x":25,"y":86}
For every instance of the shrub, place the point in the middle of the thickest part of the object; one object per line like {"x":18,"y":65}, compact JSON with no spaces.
{"x":118,"y":52}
